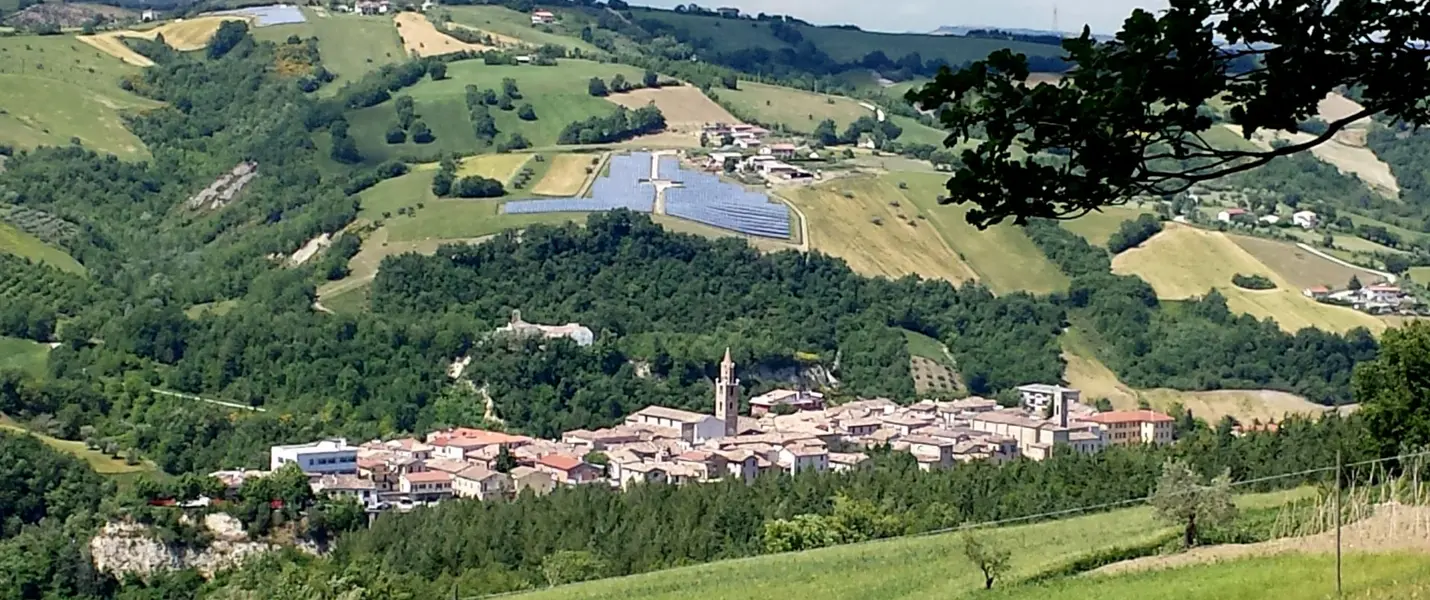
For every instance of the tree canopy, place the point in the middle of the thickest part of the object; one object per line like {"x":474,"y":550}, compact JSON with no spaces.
{"x":1130,"y":118}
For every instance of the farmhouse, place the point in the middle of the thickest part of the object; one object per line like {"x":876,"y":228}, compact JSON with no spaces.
{"x":542,"y":17}
{"x":780,"y":151}
{"x":728,"y":11}
{"x":1226,"y":216}
{"x":371,"y":7}
{"x":1318,"y":292}
{"x":1305,"y":219}
{"x":148,"y":15}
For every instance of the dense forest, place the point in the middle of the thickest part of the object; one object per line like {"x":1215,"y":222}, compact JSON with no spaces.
{"x":1198,"y":344}
{"x":676,"y":301}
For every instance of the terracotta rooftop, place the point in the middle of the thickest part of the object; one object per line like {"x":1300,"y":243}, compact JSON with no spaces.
{"x":560,"y":462}
{"x":428,"y":477}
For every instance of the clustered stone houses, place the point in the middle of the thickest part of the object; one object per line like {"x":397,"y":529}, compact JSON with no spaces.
{"x":788,"y":432}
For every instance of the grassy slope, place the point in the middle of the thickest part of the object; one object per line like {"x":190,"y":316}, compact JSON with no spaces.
{"x":794,"y":109}
{"x":925,"y":346}
{"x":557,"y":93}
{"x":19,"y":243}
{"x":1301,"y":268}
{"x":1097,"y":227}
{"x":1002,"y":255}
{"x":503,"y":21}
{"x":24,"y":355}
{"x":1182,"y":262}
{"x":1087,"y":373}
{"x":843,"y":226}
{"x":53,"y":88}
{"x":1293,"y":577}
{"x":100,"y":462}
{"x":932,"y":567}
{"x":350,"y":45}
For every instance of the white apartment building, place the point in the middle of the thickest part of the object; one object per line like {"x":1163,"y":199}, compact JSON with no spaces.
{"x":323,"y":457}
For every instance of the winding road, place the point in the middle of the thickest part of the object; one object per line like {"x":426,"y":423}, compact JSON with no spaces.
{"x":1388,"y":277}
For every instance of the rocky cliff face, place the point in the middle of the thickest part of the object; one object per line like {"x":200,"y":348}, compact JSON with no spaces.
{"x":125,"y":548}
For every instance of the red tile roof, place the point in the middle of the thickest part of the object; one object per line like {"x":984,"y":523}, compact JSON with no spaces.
{"x":560,"y":462}
{"x":428,"y":477}
{"x":1128,"y":416}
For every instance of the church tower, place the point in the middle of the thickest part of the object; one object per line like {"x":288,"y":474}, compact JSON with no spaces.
{"x":727,"y":396}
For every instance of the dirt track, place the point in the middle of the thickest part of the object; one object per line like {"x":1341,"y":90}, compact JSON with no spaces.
{"x":1394,"y":527}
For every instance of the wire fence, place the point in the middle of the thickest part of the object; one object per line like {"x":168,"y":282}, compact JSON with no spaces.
{"x":1300,"y":475}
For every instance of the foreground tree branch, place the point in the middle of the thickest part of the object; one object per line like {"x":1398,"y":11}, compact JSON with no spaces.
{"x":1129,"y":119}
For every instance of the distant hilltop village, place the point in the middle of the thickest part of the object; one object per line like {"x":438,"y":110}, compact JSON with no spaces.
{"x":787,"y":431}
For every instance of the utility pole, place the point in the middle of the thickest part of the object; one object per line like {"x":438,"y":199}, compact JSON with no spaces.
{"x":1338,"y":523}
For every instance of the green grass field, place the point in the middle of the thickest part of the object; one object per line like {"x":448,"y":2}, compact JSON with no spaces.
{"x":1002,"y":255}
{"x":440,"y":218}
{"x":557,"y":93}
{"x":1291,"y":576}
{"x":1096,"y":227}
{"x":350,"y":45}
{"x":54,"y":88}
{"x":24,"y":355}
{"x":99,"y":461}
{"x":801,"y":111}
{"x":19,"y":243}
{"x":925,"y":346}
{"x":931,"y":567}
{"x":503,"y":21}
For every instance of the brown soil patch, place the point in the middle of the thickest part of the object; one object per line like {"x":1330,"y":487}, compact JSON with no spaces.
{"x":184,"y":35}
{"x":1393,"y":528}
{"x":567,"y":175}
{"x":685,"y":107}
{"x":420,"y":37}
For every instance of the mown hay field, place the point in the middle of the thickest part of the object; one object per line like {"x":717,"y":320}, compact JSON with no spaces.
{"x":868,"y":222}
{"x":567,"y":175}
{"x":1182,"y":262}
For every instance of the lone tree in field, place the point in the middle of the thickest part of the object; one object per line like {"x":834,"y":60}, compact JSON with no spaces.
{"x":1129,"y":119}
{"x":990,"y":558}
{"x":1184,"y":500}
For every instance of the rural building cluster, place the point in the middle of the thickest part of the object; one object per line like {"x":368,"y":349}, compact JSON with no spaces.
{"x":1377,"y":299}
{"x":787,"y":431}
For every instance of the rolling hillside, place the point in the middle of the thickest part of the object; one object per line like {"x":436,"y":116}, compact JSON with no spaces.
{"x":841,"y":44}
{"x":801,"y":111}
{"x":558,"y":94}
{"x":350,"y":45}
{"x":899,"y":568}
{"x":55,"y":88}
{"x":24,"y":245}
{"x":1182,"y":262}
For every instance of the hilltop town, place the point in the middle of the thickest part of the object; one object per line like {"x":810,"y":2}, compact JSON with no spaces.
{"x":786,"y":431}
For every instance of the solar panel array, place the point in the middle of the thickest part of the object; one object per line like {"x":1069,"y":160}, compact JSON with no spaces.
{"x":273,"y":14}
{"x":706,"y":199}
{"x":622,"y":188}
{"x":670,"y":169}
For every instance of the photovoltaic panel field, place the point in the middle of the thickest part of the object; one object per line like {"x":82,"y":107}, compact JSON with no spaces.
{"x":694,"y":196}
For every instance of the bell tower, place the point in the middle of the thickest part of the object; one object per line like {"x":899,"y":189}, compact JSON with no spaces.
{"x":727,"y":396}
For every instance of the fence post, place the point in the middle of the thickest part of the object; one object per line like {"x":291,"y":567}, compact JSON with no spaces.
{"x":1338,"y":523}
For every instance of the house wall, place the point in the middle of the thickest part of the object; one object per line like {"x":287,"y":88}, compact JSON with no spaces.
{"x":316,"y":461}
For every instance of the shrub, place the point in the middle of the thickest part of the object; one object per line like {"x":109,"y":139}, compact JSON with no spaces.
{"x":396,"y":135}
{"x":1252,"y":282}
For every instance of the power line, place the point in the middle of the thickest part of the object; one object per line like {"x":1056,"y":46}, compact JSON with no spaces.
{"x":1064,"y":512}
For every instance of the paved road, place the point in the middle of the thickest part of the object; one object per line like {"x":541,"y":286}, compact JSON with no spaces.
{"x":1388,"y":277}
{"x":208,"y":400}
